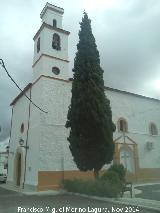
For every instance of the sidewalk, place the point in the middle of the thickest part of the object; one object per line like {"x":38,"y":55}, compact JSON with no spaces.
{"x":14,"y":188}
{"x":144,"y":203}
{"x":29,"y":191}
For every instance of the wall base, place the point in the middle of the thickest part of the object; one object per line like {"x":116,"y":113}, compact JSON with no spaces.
{"x":53,"y":179}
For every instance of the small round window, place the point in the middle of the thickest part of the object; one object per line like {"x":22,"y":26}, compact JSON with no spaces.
{"x":55,"y":70}
{"x":22,"y":127}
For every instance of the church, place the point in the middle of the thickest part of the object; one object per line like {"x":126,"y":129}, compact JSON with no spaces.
{"x":39,"y":156}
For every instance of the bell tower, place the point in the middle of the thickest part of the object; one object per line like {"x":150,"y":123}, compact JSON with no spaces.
{"x":51,"y":45}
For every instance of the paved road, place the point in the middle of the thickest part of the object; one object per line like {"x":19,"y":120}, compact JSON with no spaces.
{"x":151,"y":192}
{"x":10,"y":201}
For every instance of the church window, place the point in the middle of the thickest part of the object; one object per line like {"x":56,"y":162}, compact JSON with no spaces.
{"x":55,"y":70}
{"x":22,"y":127}
{"x":38,"y":45}
{"x":56,"y":42}
{"x":54,"y":23}
{"x":153,"y":129}
{"x":122,"y":125}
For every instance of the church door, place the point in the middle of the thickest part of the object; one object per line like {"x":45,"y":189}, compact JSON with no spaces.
{"x":18,"y":170}
{"x":126,"y":158}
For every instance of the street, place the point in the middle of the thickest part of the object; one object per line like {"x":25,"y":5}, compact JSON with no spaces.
{"x":151,"y":192}
{"x":14,"y":202}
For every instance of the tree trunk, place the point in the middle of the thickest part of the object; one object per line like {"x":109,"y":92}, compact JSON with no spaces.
{"x":96,"y":174}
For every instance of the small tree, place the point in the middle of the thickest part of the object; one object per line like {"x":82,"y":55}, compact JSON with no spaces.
{"x":119,"y":169}
{"x":89,"y":115}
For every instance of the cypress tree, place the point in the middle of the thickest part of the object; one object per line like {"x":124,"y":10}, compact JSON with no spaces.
{"x":89,"y":116}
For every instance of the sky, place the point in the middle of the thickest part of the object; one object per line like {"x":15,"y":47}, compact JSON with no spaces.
{"x":127,"y":35}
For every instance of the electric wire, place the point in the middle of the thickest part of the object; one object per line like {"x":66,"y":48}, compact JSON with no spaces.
{"x":3,"y":65}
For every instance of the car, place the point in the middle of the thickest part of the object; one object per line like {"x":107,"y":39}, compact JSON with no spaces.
{"x":3,"y":178}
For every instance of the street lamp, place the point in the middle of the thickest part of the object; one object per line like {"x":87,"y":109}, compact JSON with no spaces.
{"x":21,"y":143}
{"x":7,"y":149}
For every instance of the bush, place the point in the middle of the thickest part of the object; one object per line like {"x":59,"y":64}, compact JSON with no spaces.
{"x":111,"y":176}
{"x":119,"y":169}
{"x":99,"y":187}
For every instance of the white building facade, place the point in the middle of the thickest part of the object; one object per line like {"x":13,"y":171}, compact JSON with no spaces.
{"x":4,"y":156}
{"x":39,"y":155}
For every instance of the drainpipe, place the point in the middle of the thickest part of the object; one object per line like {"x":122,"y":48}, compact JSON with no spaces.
{"x":9,"y":141}
{"x":26,"y":146}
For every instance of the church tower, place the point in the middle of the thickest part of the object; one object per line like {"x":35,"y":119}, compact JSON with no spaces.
{"x":51,"y":45}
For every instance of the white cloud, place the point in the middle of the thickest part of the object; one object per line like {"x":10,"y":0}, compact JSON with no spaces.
{"x":127,"y":34}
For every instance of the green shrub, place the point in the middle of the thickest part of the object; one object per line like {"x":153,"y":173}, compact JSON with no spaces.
{"x":100,"y":187}
{"x":111,"y":176}
{"x":73,"y":185}
{"x":119,"y":169}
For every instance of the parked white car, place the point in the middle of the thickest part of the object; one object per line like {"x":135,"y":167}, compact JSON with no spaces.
{"x":3,"y":178}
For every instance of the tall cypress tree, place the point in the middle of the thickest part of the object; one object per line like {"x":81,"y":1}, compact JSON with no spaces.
{"x":89,"y":115}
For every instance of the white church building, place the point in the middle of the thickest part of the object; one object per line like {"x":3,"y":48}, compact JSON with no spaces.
{"x":39,"y":155}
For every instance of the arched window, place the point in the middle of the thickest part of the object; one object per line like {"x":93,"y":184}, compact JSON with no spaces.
{"x":153,"y":129}
{"x":38,"y":45}
{"x":56,"y":42}
{"x":55,"y":70}
{"x":22,"y":127}
{"x":54,"y":23}
{"x":122,"y":125}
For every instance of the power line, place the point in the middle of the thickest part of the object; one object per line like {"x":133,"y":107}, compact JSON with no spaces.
{"x":3,"y":65}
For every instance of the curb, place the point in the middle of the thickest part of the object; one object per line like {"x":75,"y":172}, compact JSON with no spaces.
{"x":32,"y":192}
{"x":115,"y":201}
{"x":48,"y":192}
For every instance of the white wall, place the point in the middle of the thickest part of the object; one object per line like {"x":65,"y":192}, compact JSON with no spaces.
{"x":47,"y":139}
{"x":3,"y":160}
{"x":44,"y":67}
{"x":50,"y":15}
{"x":20,"y":115}
{"x":45,"y":64}
{"x":34,"y":136}
{"x":3,"y":155}
{"x":54,"y":150}
{"x":138,"y":111}
{"x":46,"y":36}
{"x":47,"y":45}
